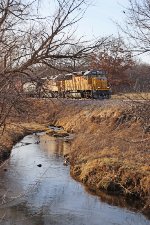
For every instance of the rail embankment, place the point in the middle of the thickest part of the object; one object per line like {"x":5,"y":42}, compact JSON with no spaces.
{"x":110,"y":151}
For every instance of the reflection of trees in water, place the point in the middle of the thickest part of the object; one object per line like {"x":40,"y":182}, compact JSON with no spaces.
{"x":62,"y":147}
{"x":56,"y":146}
{"x":59,"y":148}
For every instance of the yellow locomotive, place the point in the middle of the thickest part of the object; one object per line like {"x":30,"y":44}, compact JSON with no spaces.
{"x":88,"y":84}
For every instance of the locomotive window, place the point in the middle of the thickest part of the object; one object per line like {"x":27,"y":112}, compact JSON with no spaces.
{"x":93,"y":72}
{"x":101,"y":72}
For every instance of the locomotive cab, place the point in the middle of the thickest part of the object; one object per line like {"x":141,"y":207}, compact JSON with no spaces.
{"x":99,"y":83}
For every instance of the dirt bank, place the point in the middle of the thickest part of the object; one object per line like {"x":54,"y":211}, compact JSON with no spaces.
{"x":111,"y":147}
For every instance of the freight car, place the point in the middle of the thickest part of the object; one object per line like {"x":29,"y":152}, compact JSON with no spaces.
{"x":90,"y":84}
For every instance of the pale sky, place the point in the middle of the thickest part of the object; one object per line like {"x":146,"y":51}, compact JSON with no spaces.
{"x":99,"y":19}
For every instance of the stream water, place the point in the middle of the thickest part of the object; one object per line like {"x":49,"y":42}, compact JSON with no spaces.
{"x":36,"y":189}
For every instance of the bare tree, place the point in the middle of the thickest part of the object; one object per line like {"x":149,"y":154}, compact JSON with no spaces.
{"x":116,"y":58}
{"x":139,"y":76}
{"x":27,"y":40}
{"x":138,"y":24}
{"x":137,"y":28}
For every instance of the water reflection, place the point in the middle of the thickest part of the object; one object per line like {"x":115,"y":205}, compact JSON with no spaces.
{"x":48,"y":195}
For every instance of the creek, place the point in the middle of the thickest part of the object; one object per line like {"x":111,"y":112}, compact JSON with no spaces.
{"x":37,"y":189}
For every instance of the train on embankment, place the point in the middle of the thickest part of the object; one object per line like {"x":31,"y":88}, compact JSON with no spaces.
{"x":89,"y":84}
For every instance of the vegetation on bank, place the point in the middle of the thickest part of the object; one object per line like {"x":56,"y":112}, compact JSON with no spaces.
{"x":110,"y":151}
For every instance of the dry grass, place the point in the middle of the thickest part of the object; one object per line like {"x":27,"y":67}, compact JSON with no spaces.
{"x":132,"y":96}
{"x":110,"y":150}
